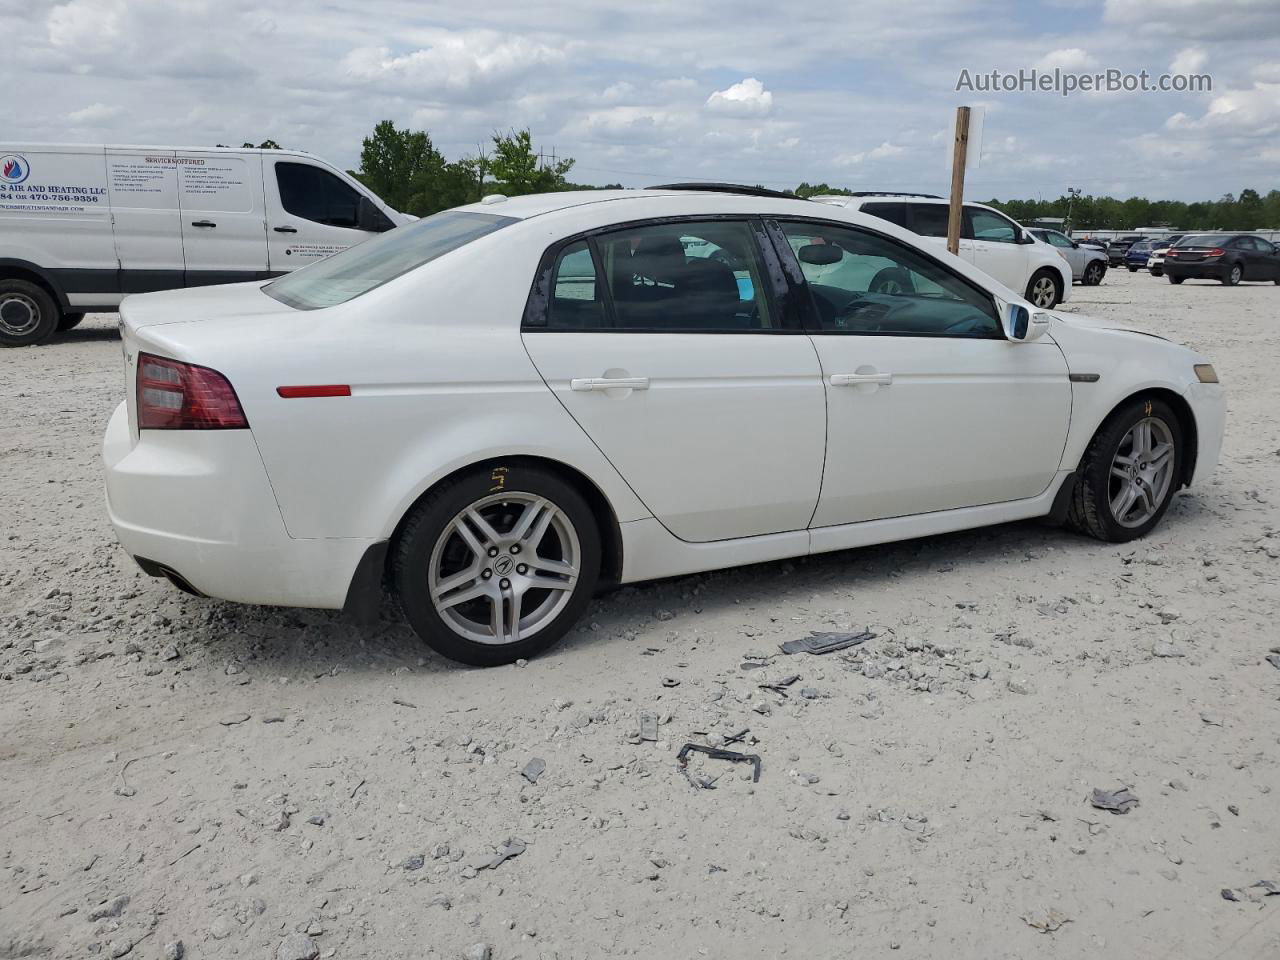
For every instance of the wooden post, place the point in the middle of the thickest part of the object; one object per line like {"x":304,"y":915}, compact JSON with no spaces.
{"x":959,"y":158}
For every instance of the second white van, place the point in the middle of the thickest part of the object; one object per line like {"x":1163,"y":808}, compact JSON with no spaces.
{"x":82,"y":226}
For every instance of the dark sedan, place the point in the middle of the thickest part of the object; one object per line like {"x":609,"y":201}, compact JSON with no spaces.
{"x":1119,"y":245}
{"x":1227,"y":258}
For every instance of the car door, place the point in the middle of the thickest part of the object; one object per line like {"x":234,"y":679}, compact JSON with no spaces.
{"x":311,"y":213}
{"x":145,"y":220}
{"x":929,"y":407}
{"x":993,"y":246}
{"x":1075,"y":255}
{"x":223,"y":219}
{"x":672,"y":346}
{"x":1269,"y":258}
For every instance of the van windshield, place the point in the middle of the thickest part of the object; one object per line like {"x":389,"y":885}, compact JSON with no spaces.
{"x":356,"y":270}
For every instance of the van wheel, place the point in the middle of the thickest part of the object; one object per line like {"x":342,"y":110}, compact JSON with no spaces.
{"x":1045,"y":289}
{"x":69,"y":321}
{"x":28,"y":315}
{"x":496,"y":565}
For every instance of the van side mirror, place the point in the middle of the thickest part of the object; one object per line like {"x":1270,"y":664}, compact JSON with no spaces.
{"x":1023,"y":326}
{"x":370,"y":219}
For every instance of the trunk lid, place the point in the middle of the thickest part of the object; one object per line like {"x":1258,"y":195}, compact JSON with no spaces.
{"x":199,"y":304}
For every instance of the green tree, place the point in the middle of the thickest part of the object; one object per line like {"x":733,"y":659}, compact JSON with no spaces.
{"x":518,"y":170}
{"x":402,"y":167}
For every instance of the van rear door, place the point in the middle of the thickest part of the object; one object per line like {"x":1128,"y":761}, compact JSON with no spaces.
{"x":143,"y":186}
{"x":223,"y":217}
{"x":311,"y":212}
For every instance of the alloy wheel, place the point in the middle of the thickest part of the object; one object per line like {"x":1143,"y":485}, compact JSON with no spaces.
{"x":1141,"y":472}
{"x":1043,"y":292}
{"x":1092,"y":274}
{"x":504,"y":567}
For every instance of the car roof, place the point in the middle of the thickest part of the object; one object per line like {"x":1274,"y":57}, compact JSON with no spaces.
{"x":708,"y":201}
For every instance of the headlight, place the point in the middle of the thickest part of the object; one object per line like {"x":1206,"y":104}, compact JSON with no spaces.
{"x":1205,"y":373}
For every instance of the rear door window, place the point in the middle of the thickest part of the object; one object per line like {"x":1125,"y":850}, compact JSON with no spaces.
{"x":893,"y":212}
{"x":928,"y":219}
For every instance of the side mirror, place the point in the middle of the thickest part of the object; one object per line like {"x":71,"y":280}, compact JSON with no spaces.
{"x":1024,"y":237}
{"x":1023,"y":326}
{"x":370,"y":219}
{"x":820,"y":254}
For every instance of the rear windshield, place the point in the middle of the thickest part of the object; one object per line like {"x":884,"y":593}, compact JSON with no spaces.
{"x":1199,"y":240}
{"x":356,"y":270}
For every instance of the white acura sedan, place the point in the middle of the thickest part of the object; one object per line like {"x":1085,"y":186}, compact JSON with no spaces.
{"x":500,"y":407}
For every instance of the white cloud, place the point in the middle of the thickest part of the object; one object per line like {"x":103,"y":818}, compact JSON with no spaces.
{"x":94,"y":113}
{"x":882,"y":152}
{"x":745,"y":98}
{"x":1189,"y":60}
{"x":451,"y":62}
{"x":1069,"y":58}
{"x":85,"y":24}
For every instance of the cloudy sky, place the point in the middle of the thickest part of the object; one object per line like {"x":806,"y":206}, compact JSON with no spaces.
{"x":859,"y":94}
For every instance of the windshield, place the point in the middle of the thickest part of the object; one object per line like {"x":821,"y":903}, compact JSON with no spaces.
{"x":356,"y":270}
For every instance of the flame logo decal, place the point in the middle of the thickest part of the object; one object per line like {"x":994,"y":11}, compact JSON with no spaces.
{"x":13,"y":168}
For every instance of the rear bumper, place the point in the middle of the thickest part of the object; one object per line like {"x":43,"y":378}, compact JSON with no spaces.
{"x":1194,"y":271}
{"x":198,"y":503}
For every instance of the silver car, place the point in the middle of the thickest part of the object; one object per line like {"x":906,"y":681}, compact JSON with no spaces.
{"x":1088,"y":264}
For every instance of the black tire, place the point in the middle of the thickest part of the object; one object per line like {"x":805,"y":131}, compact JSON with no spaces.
{"x":1094,"y":271}
{"x":891,"y":280}
{"x":1157,"y":272}
{"x":1233,"y":275}
{"x":1090,"y":508}
{"x":28,"y":315}
{"x":1038,"y":276}
{"x":1133,"y":269}
{"x":1173,"y":279}
{"x":429,"y":522}
{"x":69,"y":321}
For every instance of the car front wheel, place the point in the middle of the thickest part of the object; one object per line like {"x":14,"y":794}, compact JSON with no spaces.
{"x":1044,"y":290}
{"x":496,"y":565}
{"x":1129,"y":473}
{"x":1093,"y":273}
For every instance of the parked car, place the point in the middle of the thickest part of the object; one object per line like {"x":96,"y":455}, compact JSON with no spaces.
{"x":988,"y":239}
{"x":1088,"y":264}
{"x":82,"y":226}
{"x":1227,"y":258}
{"x":1093,"y":243}
{"x":503,"y":405}
{"x":1135,"y":258}
{"x":1117,"y":248}
{"x":1155,"y":261}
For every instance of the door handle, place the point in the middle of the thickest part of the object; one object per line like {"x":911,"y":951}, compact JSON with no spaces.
{"x":203,"y":223}
{"x":285,"y":229}
{"x":853,"y":379}
{"x":586,"y":384}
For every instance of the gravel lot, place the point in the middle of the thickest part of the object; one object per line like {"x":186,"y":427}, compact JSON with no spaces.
{"x":273,"y":783}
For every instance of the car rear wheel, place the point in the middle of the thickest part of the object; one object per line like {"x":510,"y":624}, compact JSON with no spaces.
{"x":496,"y":565}
{"x":28,"y":315}
{"x":1133,"y":269}
{"x":1044,"y":290}
{"x":1234,"y":274}
{"x":1093,"y":273}
{"x":1173,"y":279}
{"x":1129,"y":473}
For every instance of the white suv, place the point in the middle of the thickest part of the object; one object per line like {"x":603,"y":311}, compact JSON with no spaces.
{"x":989,"y":240}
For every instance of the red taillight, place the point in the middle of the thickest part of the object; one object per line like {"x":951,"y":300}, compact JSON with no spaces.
{"x":182,"y":396}
{"x":1170,"y":253}
{"x":1215,"y":252}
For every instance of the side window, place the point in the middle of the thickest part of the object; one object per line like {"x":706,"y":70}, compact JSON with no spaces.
{"x":688,"y":276}
{"x":576,"y":302}
{"x":989,"y":226}
{"x":929,"y":219}
{"x":314,"y":194}
{"x":1265,"y":246}
{"x":865,"y":283}
{"x":893,"y":212}
{"x":1058,"y":239}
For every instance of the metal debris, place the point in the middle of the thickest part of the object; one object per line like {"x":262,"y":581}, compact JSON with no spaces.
{"x":820,"y":643}
{"x":1117,"y":801}
{"x":717,"y":754}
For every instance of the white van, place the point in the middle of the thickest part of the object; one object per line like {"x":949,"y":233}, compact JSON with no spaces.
{"x":996,"y":245}
{"x":81,"y":226}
